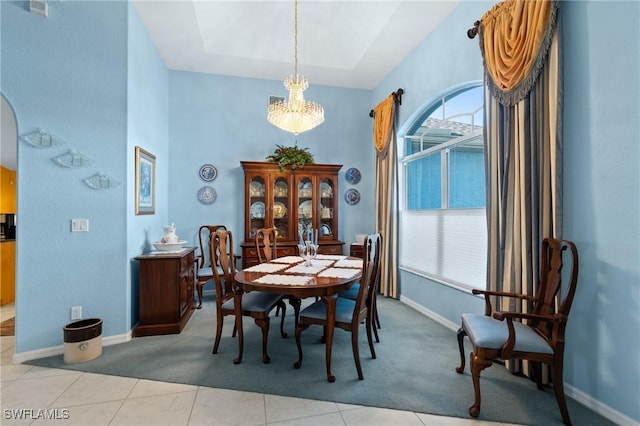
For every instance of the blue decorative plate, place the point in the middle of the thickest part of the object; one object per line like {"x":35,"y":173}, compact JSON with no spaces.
{"x":207,"y":195}
{"x":352,"y":196}
{"x":353,"y":176}
{"x":208,"y":172}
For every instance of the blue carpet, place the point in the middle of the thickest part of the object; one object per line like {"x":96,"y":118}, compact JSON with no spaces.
{"x":414,"y":369}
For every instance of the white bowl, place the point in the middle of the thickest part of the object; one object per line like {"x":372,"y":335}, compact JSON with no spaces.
{"x":169,"y":246}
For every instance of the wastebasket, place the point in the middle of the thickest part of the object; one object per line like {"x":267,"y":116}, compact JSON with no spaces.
{"x":82,"y":340}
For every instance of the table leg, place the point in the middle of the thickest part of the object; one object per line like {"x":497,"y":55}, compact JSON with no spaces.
{"x":295,"y":303}
{"x":330,"y":303}
{"x":237,"y":304}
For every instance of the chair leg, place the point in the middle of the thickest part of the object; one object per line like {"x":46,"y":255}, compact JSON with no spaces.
{"x":477,"y":365}
{"x":376,"y":321}
{"x":219,"y":323}
{"x":299,"y":328}
{"x":199,"y":286}
{"x":558,"y":389}
{"x":537,"y":374}
{"x":356,"y":352}
{"x":264,"y":325}
{"x":461,"y":334}
{"x":369,"y":324}
{"x":282,"y":306}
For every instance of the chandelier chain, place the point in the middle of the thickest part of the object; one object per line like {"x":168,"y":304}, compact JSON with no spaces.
{"x":295,"y":39}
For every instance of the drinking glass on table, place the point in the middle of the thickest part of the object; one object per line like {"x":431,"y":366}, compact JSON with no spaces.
{"x":311,"y":252}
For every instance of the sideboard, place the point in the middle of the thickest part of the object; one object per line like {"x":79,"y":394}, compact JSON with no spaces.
{"x":166,"y":292}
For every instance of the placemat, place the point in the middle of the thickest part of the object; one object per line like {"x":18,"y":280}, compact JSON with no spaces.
{"x":301,"y":269}
{"x":287,"y":259}
{"x":331,"y":256}
{"x":339,"y":272}
{"x":283,"y":279}
{"x":265,"y":267}
{"x":349,"y":263}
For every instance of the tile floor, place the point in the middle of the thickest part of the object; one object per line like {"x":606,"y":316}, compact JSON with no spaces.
{"x":29,"y":394}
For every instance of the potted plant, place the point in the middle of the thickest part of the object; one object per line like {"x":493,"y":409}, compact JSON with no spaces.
{"x":291,"y":156}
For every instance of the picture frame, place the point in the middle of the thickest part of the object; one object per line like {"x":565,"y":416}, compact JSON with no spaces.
{"x":145,"y":201}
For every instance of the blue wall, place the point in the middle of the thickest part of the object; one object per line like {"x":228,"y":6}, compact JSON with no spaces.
{"x":601,"y":187}
{"x":106,"y":103}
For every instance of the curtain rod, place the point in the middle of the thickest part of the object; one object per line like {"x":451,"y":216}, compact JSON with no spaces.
{"x":472,"y":32}
{"x":397,"y":96}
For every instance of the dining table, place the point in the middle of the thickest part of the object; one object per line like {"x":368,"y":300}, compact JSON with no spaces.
{"x":292,"y":276}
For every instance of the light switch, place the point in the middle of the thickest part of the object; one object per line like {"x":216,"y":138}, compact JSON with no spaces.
{"x":79,"y":225}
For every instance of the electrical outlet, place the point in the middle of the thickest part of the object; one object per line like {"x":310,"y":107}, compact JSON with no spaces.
{"x":79,"y":225}
{"x":76,"y":312}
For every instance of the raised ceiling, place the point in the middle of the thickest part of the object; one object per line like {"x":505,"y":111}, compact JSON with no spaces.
{"x":352,"y":44}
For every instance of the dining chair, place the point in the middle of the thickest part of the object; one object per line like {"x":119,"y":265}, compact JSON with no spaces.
{"x":266,"y":245}
{"x":257,"y":305}
{"x":349,"y":313}
{"x":352,"y":292}
{"x":537,"y":336}
{"x":204,"y":272}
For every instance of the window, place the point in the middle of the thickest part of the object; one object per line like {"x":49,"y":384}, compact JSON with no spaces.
{"x":443,"y":220}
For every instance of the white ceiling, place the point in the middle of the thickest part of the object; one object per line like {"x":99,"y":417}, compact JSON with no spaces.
{"x":341,"y":43}
{"x":349,"y":43}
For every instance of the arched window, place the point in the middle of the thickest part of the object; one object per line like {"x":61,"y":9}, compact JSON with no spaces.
{"x":443,"y":222}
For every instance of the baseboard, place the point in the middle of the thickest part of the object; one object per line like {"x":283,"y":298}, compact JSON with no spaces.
{"x":424,"y":311}
{"x":59,"y":350}
{"x":571,"y":392}
{"x":598,"y":407}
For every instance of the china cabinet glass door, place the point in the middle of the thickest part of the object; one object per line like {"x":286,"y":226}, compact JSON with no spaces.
{"x":328,"y":211}
{"x":257,"y":209}
{"x":306,"y":211}
{"x":280,"y":209}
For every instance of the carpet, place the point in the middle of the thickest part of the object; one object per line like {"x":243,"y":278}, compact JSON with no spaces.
{"x":7,"y":327}
{"x":414,"y":369}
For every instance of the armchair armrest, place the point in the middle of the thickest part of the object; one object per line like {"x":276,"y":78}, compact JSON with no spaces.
{"x":487,"y":302}
{"x":507,"y":348}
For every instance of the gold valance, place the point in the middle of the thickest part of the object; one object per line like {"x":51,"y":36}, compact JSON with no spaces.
{"x":515,"y":36}
{"x":383,"y":116}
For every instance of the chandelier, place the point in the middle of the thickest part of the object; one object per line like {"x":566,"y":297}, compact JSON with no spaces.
{"x":296,"y":115}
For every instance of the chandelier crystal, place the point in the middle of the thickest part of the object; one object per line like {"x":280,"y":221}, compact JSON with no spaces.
{"x":295,"y":115}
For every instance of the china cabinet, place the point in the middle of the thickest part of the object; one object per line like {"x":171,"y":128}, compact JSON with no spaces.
{"x":292,"y":201}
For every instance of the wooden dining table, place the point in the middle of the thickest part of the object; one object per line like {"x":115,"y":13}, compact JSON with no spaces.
{"x":290,"y":277}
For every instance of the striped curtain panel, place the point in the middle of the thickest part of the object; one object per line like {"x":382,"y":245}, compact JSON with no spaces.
{"x":386,"y":192}
{"x":523,"y":143}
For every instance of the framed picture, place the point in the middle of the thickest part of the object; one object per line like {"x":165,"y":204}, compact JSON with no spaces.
{"x":145,"y":182}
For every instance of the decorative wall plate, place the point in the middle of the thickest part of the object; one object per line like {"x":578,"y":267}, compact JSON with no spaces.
{"x":207,"y":195}
{"x":208,"y":172}
{"x":72,"y":159}
{"x":353,"y":176}
{"x":352,"y":196}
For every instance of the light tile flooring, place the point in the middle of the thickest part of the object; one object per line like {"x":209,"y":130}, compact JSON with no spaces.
{"x":30,"y":394}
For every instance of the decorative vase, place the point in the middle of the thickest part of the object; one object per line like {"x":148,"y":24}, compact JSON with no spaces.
{"x":170,"y":236}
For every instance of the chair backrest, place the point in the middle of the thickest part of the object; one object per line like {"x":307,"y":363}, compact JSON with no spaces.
{"x":266,"y":238}
{"x":370,"y":266}
{"x":221,"y":254}
{"x":553,"y":298}
{"x":204,"y":236}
